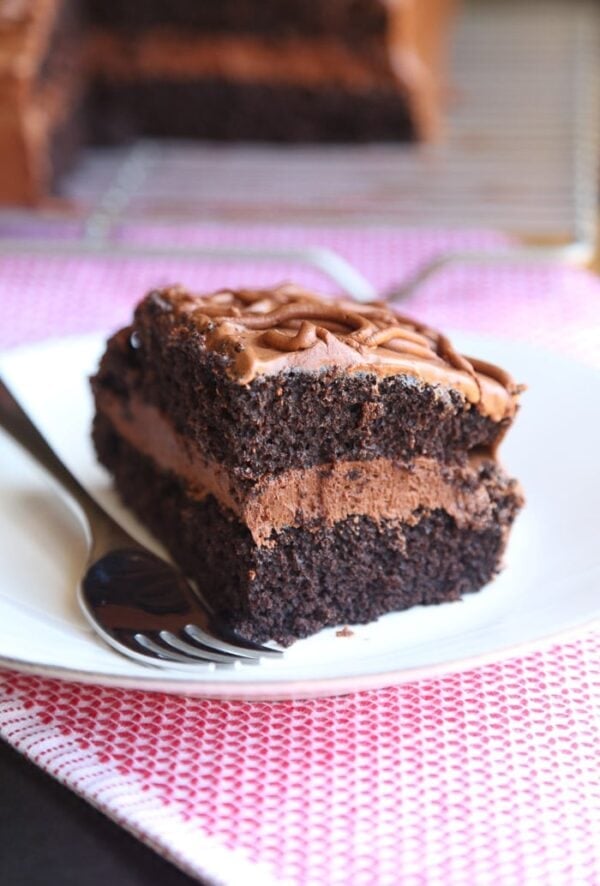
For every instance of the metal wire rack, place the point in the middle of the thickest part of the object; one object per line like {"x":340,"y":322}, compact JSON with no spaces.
{"x":520,"y":155}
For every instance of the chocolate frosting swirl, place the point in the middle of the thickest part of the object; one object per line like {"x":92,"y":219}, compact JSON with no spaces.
{"x":266,"y":331}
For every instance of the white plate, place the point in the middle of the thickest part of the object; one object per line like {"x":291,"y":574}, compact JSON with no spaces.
{"x":550,"y":585}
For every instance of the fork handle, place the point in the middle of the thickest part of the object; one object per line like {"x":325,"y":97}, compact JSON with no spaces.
{"x":13,"y":418}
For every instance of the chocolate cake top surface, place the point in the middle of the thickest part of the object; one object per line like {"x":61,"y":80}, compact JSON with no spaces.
{"x":287,"y":328}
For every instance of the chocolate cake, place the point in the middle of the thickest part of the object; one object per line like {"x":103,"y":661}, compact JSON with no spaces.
{"x":307,"y":462}
{"x":282,"y":70}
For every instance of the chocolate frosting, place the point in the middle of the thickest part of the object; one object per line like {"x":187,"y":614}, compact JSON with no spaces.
{"x":287,"y":328}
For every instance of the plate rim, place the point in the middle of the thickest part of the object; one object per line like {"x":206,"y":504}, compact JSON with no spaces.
{"x":293,"y":689}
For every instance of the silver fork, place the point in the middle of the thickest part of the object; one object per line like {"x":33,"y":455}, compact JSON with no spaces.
{"x":138,"y":603}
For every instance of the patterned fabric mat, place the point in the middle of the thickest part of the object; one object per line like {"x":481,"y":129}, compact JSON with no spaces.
{"x":489,"y":776}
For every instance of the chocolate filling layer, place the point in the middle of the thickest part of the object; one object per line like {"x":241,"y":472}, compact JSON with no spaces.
{"x":382,"y":489}
{"x":246,"y":58}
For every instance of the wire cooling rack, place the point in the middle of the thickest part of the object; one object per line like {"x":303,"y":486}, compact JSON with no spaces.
{"x":520,"y":155}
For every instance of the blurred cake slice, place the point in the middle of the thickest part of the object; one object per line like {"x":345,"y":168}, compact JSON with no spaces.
{"x":288,"y":70}
{"x":260,"y":70}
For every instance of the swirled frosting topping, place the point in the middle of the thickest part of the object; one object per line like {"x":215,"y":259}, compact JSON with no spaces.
{"x":287,"y":328}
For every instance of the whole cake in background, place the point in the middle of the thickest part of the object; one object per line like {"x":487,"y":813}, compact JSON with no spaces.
{"x":307,"y":462}
{"x":284,"y":70}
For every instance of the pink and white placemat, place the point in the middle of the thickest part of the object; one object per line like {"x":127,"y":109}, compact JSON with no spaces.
{"x":482,"y":777}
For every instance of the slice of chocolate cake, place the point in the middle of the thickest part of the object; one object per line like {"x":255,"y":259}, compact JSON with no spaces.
{"x":308,"y":462}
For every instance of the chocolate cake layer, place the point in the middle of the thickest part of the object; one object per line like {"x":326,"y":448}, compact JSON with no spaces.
{"x":351,"y":19}
{"x":257,"y":408}
{"x":123,"y":110}
{"x":318,"y":573}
